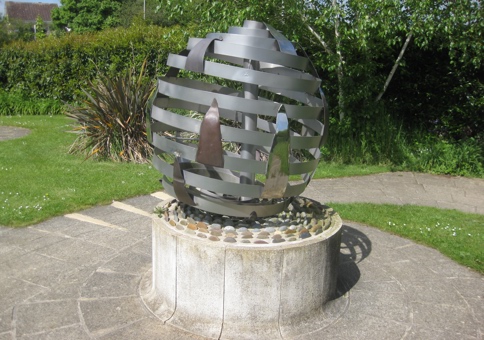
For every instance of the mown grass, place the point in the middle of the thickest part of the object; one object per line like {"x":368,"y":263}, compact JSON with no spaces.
{"x":458,"y":235}
{"x":39,"y":179}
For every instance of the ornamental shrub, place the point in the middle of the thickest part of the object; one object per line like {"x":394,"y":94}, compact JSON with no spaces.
{"x":57,"y":67}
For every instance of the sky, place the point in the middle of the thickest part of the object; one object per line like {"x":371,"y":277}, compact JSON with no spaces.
{"x":2,"y":3}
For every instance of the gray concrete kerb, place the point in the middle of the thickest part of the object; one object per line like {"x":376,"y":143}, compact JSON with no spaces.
{"x":78,"y":276}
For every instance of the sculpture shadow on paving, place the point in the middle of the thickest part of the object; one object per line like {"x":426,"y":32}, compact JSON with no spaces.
{"x":355,"y":247}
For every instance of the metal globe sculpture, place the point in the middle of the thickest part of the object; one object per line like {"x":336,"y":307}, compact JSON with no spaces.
{"x":236,"y":115}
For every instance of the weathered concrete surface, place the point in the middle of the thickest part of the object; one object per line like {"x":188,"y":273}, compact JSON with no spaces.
{"x":71,"y":279}
{"x":239,"y":290}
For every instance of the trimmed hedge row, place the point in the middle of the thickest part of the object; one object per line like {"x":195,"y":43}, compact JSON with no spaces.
{"x":58,"y":67}
{"x":14,"y":104}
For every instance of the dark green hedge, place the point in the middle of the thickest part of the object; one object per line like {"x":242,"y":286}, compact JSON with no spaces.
{"x":57,"y":67}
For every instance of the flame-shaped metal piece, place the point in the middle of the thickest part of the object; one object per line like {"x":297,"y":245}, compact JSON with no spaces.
{"x":277,"y":175}
{"x":210,"y":150}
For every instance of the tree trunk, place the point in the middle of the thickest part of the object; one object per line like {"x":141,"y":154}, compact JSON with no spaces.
{"x":395,"y":66}
{"x":340,"y":71}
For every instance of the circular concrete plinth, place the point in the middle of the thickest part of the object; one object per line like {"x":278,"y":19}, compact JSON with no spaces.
{"x":242,"y":290}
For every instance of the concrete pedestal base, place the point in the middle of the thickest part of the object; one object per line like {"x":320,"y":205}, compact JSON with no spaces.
{"x":238,"y":290}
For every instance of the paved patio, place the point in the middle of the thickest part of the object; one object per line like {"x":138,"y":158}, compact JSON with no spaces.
{"x":77,"y":276}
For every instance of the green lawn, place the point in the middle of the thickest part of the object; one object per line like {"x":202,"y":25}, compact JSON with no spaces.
{"x":458,"y":235}
{"x":39,"y":180}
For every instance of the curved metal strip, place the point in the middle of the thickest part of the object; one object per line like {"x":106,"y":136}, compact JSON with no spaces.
{"x":299,"y":168}
{"x":245,"y":75}
{"x":266,"y":43}
{"x":304,"y":112}
{"x":285,"y":45}
{"x":210,"y":151}
{"x":254,"y":24}
{"x":181,"y":192}
{"x":180,"y":90}
{"x":208,"y":182}
{"x":289,"y":72}
{"x":303,"y":98}
{"x":254,"y":32}
{"x":173,"y":121}
{"x":295,"y":189}
{"x":231,"y":208}
{"x":196,"y":57}
{"x":231,"y":161}
{"x":253,"y":53}
{"x":166,"y":102}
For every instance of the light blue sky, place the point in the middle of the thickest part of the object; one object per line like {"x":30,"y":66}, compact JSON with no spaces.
{"x":2,"y":3}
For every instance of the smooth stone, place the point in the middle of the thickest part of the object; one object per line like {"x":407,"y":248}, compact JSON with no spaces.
{"x":229,"y":228}
{"x":291,"y":239}
{"x":255,"y":230}
{"x":278,"y":240}
{"x":319,"y":231}
{"x":192,"y":226}
{"x":265,"y":233}
{"x":247,"y":233}
{"x":242,"y":229}
{"x":304,"y":235}
{"x":290,"y":231}
{"x":183,"y":222}
{"x":190,"y":231}
{"x":214,"y":238}
{"x":262,"y":236}
{"x":242,"y":226}
{"x":293,"y":227}
{"x":228,"y":222}
{"x":230,"y":240}
{"x":270,"y":229}
{"x":247,"y":236}
{"x":201,"y":235}
{"x":172,"y":223}
{"x":277,"y":237}
{"x":283,"y":228}
{"x":191,"y":220}
{"x":314,"y":228}
{"x":215,"y":226}
{"x":201,"y":225}
{"x":179,"y":227}
{"x":245,"y":241}
{"x":216,"y":233}
{"x":203,"y":230}
{"x":231,"y":234}
{"x":260,"y":242}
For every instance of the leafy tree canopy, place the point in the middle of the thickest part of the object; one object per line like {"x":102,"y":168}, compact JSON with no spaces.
{"x":86,"y":15}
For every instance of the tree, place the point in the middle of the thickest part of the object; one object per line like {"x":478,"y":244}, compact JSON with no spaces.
{"x":86,"y":15}
{"x":137,"y":10}
{"x":39,"y":28}
{"x":359,"y":46}
{"x":12,"y":29}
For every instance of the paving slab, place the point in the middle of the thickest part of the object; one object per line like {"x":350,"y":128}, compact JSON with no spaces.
{"x":73,"y":279}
